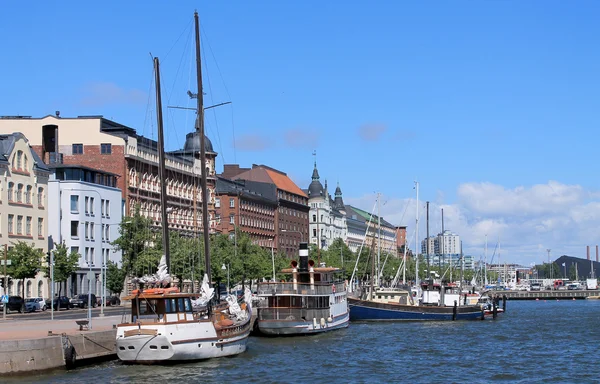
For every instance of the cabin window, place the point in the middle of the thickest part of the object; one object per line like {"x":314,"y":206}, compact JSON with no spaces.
{"x":188,"y":305}
{"x":180,"y":307}
{"x":171,"y":305}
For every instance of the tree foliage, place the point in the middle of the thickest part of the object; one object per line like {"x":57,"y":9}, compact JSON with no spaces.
{"x":26,"y":262}
{"x":115,"y":277}
{"x":65,"y":264}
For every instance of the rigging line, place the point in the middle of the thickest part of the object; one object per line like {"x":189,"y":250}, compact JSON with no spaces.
{"x":176,"y":41}
{"x":226,"y":91}
{"x":148,"y":105}
{"x":213,"y":102}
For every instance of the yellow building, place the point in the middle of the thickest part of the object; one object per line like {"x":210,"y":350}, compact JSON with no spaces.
{"x":23,"y":205}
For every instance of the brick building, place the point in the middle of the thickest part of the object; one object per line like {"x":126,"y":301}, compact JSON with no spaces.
{"x":96,"y":142}
{"x":249,"y":206}
{"x":291,"y":217}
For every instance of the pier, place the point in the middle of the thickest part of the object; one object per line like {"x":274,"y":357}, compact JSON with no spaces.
{"x":559,"y":294}
{"x":38,"y":345}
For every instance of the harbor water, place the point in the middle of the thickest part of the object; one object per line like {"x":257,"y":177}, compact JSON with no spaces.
{"x":533,"y":342}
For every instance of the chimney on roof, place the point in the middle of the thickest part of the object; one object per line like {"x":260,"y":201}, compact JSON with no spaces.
{"x":57,"y":113}
{"x":588,"y":251}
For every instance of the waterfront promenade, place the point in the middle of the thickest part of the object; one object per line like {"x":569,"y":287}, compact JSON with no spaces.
{"x":35,"y":345}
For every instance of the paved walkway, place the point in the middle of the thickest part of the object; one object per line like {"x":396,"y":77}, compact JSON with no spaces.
{"x":11,"y":329}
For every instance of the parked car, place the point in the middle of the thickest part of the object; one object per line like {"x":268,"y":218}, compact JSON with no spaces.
{"x":81,"y":301}
{"x":15,"y":303}
{"x":61,"y":302}
{"x":35,"y":304}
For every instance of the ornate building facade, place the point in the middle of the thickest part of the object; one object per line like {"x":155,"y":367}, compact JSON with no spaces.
{"x":96,"y":142}
{"x":23,"y":205}
{"x":327,"y":219}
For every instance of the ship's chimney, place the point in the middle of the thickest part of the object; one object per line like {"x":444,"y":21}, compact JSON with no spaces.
{"x":303,"y":257}
{"x":597,"y":254}
{"x":588,"y":251}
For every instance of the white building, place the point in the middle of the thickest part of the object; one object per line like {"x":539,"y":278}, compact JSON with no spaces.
{"x":327,"y":219}
{"x":85,"y":215}
{"x":23,"y":205}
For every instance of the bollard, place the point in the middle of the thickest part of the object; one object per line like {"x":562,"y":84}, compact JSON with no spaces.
{"x":454,"y":311}
{"x":504,"y":298}
{"x":494,"y":310}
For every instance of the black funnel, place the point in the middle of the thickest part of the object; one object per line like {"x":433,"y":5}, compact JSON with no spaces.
{"x":303,"y":257}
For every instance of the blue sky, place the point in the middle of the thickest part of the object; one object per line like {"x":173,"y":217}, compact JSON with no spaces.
{"x":487,"y":104}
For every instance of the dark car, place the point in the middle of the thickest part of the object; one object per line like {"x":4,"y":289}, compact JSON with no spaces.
{"x":110,"y":300}
{"x":61,"y":302}
{"x":81,"y":301}
{"x":15,"y":303}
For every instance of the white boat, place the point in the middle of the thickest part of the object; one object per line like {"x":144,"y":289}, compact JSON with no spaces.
{"x":168,"y":326}
{"x":314,"y":301}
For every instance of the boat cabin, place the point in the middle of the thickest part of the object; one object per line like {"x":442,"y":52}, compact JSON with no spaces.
{"x":161,"y":308}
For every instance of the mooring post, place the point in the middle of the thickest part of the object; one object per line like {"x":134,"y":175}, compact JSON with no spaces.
{"x":504,"y":298}
{"x":494,"y":307}
{"x":454,"y":311}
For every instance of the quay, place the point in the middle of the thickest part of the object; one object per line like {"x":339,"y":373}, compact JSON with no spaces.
{"x":548,"y":294}
{"x":38,"y":345}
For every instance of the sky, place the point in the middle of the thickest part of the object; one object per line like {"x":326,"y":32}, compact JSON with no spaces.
{"x":492,"y":106}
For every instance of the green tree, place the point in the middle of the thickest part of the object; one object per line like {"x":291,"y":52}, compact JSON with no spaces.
{"x":139,"y":245}
{"x":65,"y":264}
{"x":115,"y":277}
{"x":26,"y":262}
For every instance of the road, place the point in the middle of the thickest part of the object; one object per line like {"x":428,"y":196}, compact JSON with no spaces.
{"x":68,"y":314}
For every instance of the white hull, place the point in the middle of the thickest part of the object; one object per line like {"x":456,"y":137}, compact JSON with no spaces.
{"x":179,"y":342}
{"x":295,"y":327}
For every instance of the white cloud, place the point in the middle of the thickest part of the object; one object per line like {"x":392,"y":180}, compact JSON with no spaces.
{"x":252,"y":143}
{"x":371,"y":132}
{"x":526,"y":220}
{"x":307,"y":138}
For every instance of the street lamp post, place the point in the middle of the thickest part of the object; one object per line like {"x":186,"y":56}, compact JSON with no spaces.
{"x":90,"y":274}
{"x":226,"y":268}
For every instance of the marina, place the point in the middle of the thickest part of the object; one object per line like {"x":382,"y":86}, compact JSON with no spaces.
{"x":513,"y":349}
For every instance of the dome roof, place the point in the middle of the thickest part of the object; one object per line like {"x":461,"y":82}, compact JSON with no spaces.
{"x":192,"y":143}
{"x":315,"y":189}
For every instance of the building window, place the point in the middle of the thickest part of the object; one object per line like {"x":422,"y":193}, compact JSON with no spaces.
{"x":218,"y":218}
{"x":78,"y":149}
{"x":40,"y":227}
{"x":75,"y":228}
{"x":28,"y":194}
{"x":102,"y":207}
{"x":217,"y":203}
{"x":41,"y":196}
{"x":92,"y":206}
{"x":314,"y":218}
{"x":231,"y":219}
{"x":19,"y":160}
{"x":19,"y":225}
{"x":92,"y":231}
{"x":231,"y":203}
{"x":105,"y":149}
{"x":28,"y":226}
{"x":87,"y":230}
{"x":107,"y":208}
{"x":87,"y":205}
{"x":20,"y":193}
{"x":11,"y":186}
{"x":74,"y":203}
{"x":11,"y":219}
{"x":107,"y":234}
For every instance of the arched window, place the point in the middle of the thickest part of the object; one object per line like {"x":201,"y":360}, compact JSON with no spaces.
{"x":28,"y":289}
{"x":40,"y":292}
{"x":132,"y":178}
{"x":41,"y":196}
{"x":20,"y":193}
{"x":11,"y":187}
{"x":25,"y":164}
{"x":28,"y":194}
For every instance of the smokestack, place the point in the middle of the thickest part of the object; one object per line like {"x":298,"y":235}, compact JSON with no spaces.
{"x":597,"y":254}
{"x":303,"y":257}
{"x":588,"y":251}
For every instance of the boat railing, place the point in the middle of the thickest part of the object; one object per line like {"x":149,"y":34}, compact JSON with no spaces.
{"x":299,"y":289}
{"x":293,"y":314}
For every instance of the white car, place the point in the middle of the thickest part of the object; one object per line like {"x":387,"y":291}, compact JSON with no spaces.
{"x":35,"y":304}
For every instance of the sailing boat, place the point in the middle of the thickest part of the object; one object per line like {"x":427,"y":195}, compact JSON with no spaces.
{"x":169,"y":326}
{"x":437,"y":302}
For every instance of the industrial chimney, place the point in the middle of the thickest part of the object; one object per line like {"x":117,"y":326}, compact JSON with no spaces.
{"x":588,"y":251}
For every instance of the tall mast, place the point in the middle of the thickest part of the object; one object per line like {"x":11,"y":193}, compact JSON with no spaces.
{"x":427,"y":243}
{"x":417,"y":241}
{"x":200,"y":129}
{"x":485,"y":280}
{"x":378,"y":240}
{"x":442,"y":253}
{"x":161,"y":167}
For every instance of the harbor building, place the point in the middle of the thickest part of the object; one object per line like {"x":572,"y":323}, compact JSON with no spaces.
{"x":23,"y":206}
{"x":249,"y":206}
{"x":327,"y":219}
{"x":85,"y":216}
{"x":291,"y":217}
{"x":99,"y":143}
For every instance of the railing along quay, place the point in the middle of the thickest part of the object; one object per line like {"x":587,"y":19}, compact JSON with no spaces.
{"x":546,"y":294}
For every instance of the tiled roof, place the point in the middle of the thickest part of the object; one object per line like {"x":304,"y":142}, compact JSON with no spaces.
{"x":285,"y":183}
